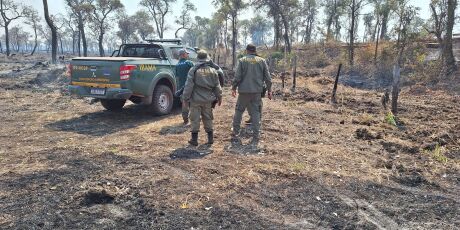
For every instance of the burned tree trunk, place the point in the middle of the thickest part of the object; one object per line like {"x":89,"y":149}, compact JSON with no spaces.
{"x":53,"y":32}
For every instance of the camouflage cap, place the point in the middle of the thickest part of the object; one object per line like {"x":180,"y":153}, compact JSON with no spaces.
{"x":202,"y":55}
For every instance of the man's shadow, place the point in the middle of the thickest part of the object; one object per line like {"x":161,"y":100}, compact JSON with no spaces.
{"x":189,"y":152}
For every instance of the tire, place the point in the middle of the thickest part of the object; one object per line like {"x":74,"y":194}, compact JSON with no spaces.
{"x":162,"y":100}
{"x":112,"y":104}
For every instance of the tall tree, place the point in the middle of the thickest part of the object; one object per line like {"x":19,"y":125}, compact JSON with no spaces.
{"x":334,"y":10}
{"x":406,"y":14}
{"x":368,"y":23}
{"x":33,"y":19}
{"x":127,"y":26}
{"x":438,"y":23}
{"x":447,"y":54}
{"x":385,"y":10}
{"x":185,"y":19}
{"x":53,"y":32}
{"x":101,"y":10}
{"x":310,"y":7}
{"x":158,"y":9}
{"x":10,"y":11}
{"x":258,"y":28}
{"x":354,"y":7}
{"x":144,"y":30}
{"x":81,"y":10}
{"x":233,"y":8}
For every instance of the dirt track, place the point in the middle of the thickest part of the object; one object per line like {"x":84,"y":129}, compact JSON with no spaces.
{"x":67,"y":164}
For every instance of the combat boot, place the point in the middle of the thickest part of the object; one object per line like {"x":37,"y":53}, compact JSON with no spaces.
{"x":210,"y":138}
{"x":194,"y":140}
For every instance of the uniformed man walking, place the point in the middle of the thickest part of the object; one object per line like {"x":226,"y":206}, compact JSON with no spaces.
{"x":202,"y":89}
{"x":182,"y":68}
{"x":250,"y":76}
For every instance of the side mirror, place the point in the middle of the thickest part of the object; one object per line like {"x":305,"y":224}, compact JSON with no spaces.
{"x":115,"y":51}
{"x":162,"y":54}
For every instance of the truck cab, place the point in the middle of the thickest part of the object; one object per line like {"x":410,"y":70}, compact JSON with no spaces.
{"x":143,"y":73}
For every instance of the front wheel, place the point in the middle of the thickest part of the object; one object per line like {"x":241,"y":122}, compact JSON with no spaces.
{"x":112,"y":104}
{"x":162,"y":100}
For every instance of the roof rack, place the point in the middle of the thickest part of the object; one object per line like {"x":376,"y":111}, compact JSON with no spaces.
{"x":177,"y":41}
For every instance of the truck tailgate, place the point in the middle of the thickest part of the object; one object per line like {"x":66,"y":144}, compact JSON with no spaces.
{"x":96,"y":72}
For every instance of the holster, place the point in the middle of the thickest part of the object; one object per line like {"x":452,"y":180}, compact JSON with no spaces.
{"x":264,"y":91}
{"x":214,"y":103}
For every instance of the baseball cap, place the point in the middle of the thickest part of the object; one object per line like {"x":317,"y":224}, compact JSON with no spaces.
{"x":183,"y":51}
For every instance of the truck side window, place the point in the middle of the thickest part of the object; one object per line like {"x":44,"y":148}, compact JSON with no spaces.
{"x":175,"y":52}
{"x":192,"y":54}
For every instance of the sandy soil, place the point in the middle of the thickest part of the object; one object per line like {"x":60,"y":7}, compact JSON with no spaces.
{"x":68,"y":164}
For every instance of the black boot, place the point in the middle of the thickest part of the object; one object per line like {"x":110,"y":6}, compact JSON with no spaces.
{"x":210,"y":138}
{"x":194,"y":140}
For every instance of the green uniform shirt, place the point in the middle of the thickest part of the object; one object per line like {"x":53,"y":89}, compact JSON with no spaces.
{"x":202,"y":86}
{"x":251,"y":74}
{"x":182,"y":68}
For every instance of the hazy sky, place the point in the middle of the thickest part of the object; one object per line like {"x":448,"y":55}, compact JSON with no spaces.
{"x":204,"y":9}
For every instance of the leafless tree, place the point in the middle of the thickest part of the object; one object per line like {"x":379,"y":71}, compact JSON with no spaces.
{"x":158,"y":9}
{"x":185,"y":20}
{"x":10,"y":11}
{"x":33,"y":19}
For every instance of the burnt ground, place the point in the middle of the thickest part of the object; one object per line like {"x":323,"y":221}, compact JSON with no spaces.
{"x":68,"y":164}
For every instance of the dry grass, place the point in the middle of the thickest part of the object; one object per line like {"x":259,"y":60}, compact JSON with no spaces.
{"x":309,"y":150}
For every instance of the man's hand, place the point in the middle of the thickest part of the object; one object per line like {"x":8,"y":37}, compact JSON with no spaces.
{"x":219,"y":103}
{"x":270,"y":95}
{"x":233,"y":92}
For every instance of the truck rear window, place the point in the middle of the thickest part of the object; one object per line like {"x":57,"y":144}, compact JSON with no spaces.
{"x":141,"y":51}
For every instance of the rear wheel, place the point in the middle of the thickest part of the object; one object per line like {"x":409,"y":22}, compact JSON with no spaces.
{"x":113,"y":105}
{"x":162,"y":100}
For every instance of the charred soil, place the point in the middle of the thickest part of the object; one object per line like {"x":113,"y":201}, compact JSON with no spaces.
{"x":68,"y":164}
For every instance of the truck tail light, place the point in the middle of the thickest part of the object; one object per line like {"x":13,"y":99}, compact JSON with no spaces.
{"x":125,"y":71}
{"x":68,"y":72}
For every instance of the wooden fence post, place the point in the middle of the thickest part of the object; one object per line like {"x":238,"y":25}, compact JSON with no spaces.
{"x":294,"y":73}
{"x":395,"y":91}
{"x":334,"y":90}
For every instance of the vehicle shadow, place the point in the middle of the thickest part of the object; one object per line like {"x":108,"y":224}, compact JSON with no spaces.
{"x":106,"y":122}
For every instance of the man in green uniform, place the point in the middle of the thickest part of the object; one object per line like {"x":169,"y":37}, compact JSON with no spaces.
{"x":202,"y":88}
{"x":182,"y":68}
{"x":250,"y":76}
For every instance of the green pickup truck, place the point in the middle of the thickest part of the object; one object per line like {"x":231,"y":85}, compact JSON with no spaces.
{"x":141,"y":73}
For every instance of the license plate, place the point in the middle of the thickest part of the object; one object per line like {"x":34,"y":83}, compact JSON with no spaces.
{"x":98,"y":91}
